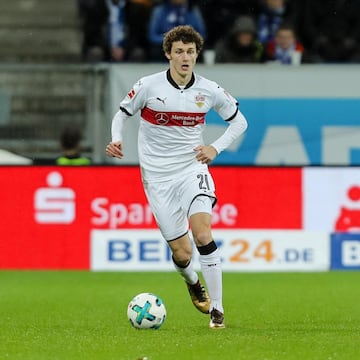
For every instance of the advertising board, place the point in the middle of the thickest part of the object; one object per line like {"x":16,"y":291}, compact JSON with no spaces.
{"x":133,"y":250}
{"x":48,"y":213}
{"x":345,"y":251}
{"x":266,"y":218}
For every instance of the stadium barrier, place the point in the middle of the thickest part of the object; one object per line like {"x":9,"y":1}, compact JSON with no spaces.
{"x":97,"y":218}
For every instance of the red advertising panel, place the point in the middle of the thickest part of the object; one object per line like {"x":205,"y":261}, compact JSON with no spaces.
{"x":265,"y":198}
{"x":48,"y":213}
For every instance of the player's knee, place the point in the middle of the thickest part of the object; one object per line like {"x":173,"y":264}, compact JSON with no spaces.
{"x":202,"y":237}
{"x":182,"y":257}
{"x":181,"y":262}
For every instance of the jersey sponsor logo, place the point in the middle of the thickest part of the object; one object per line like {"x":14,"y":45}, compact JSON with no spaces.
{"x":161,"y":118}
{"x":172,"y":118}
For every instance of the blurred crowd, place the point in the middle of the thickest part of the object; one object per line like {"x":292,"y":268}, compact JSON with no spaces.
{"x":235,"y":31}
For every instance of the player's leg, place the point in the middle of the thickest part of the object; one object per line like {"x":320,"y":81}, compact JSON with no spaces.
{"x":198,"y":197}
{"x":200,"y":223}
{"x":173,"y":224}
{"x":181,"y":249}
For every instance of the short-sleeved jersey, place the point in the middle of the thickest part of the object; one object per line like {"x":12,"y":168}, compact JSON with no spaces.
{"x":172,"y":121}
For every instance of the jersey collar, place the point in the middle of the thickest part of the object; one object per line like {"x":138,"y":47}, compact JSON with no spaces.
{"x":175,"y":85}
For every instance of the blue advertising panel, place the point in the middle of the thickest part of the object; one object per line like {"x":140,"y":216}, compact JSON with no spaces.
{"x":296,"y":131}
{"x":345,"y":251}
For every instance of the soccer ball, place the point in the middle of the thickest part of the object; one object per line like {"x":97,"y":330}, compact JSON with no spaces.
{"x":146,"y":311}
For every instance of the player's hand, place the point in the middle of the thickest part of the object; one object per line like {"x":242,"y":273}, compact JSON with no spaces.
{"x":205,"y":153}
{"x":114,"y":149}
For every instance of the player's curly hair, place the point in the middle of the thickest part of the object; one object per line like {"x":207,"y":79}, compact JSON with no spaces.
{"x":186,"y":34}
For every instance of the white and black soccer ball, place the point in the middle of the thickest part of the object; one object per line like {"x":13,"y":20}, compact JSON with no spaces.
{"x":146,"y":311}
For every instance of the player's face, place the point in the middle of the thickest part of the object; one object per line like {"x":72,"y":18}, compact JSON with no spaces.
{"x":182,"y":59}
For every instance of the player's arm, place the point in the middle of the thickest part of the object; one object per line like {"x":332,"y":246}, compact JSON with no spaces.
{"x":207,"y":153}
{"x":227,"y":107}
{"x":115,"y":147}
{"x":237,"y":126}
{"x":132,"y":103}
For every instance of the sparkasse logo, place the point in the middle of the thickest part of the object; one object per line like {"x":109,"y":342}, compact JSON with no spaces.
{"x":54,"y":204}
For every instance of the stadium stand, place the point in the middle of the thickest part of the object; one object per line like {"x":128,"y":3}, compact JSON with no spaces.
{"x":44,"y":85}
{"x":43,"y":100}
{"x":39,"y":31}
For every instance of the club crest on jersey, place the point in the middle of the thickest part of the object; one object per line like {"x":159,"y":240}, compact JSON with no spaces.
{"x":200,"y":100}
{"x":131,"y":94}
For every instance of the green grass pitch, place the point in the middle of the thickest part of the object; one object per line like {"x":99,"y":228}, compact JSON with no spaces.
{"x":82,"y":315}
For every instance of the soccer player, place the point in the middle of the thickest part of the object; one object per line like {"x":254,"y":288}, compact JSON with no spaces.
{"x":174,"y":161}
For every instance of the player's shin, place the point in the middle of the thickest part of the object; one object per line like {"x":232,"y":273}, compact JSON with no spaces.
{"x":186,"y":271}
{"x":210,"y":262}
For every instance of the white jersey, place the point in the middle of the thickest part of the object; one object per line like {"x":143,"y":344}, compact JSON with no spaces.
{"x":172,"y":122}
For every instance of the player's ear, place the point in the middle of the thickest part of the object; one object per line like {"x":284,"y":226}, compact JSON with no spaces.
{"x":168,"y":56}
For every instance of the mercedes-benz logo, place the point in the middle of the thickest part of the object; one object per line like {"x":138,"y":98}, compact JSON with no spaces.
{"x":162,"y":118}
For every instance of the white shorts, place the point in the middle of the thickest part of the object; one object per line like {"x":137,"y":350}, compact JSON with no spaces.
{"x":171,"y":201}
